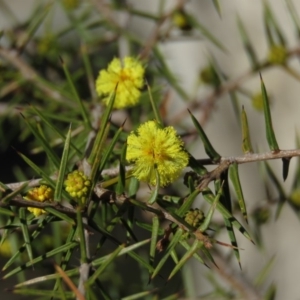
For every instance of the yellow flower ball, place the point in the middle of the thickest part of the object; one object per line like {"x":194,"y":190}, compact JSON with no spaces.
{"x":277,"y":55}
{"x":127,"y":75}
{"x":78,"y":186}
{"x":153,"y":148}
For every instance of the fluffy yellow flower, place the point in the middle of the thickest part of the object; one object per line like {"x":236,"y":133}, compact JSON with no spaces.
{"x":41,"y":193}
{"x":152,"y":147}
{"x":129,"y":76}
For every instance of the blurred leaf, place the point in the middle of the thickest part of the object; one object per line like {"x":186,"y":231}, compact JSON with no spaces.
{"x":273,"y":25}
{"x":197,"y":25}
{"x":264,"y":274}
{"x":247,"y":44}
{"x":246,"y":144}
{"x":44,"y":292}
{"x":271,"y":292}
{"x":217,"y":6}
{"x":279,"y":188}
{"x":293,"y":12}
{"x":52,"y":156}
{"x":45,"y":120}
{"x":235,"y":179}
{"x":166,"y":72}
{"x":76,"y":96}
{"x":154,"y":106}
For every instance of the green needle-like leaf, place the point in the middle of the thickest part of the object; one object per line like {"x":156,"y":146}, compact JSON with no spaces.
{"x":225,"y":197}
{"x":154,"y":236}
{"x":38,"y":170}
{"x":196,"y":166}
{"x":187,"y":246}
{"x":195,"y":246}
{"x":81,"y":235}
{"x":209,"y":197}
{"x":174,"y":242}
{"x":154,"y":106}
{"x":49,"y":294}
{"x":46,"y":121}
{"x":62,"y":168}
{"x":246,"y":144}
{"x":126,"y":250}
{"x":102,"y":267}
{"x":187,"y":204}
{"x":60,"y":215}
{"x":211,"y":211}
{"x":155,"y":192}
{"x":94,"y":158}
{"x":40,"y":258}
{"x":209,"y":149}
{"x":111,"y":147}
{"x":26,"y":236}
{"x":45,"y":144}
{"x":268,"y":119}
{"x":42,"y":222}
{"x":6,"y":212}
{"x":7,"y":198}
{"x":235,"y":179}
{"x":76,"y":96}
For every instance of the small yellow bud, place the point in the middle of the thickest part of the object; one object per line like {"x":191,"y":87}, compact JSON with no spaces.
{"x":78,"y":186}
{"x":295,"y":197}
{"x":194,"y":217}
{"x":277,"y":55}
{"x":261,"y":215}
{"x":257,"y":101}
{"x":209,"y":76}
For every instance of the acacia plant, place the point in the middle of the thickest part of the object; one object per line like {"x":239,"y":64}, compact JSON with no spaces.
{"x":98,"y":199}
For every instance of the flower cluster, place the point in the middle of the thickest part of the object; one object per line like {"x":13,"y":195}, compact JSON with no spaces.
{"x":153,"y":148}
{"x":78,"y":186}
{"x":42,"y":193}
{"x":194,"y":217}
{"x":127,"y":75}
